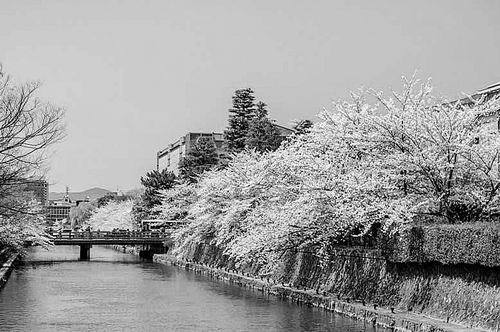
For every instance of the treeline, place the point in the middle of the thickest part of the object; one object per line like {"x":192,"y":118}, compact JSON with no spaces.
{"x":89,"y":214}
{"x":371,"y":168}
{"x":373,"y":165}
{"x":249,"y":128}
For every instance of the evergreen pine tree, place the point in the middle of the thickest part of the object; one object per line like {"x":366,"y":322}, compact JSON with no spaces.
{"x":200,"y":158}
{"x":240,"y":115}
{"x":302,"y":127}
{"x":155,"y":181}
{"x":262,"y":135}
{"x":261,"y":110}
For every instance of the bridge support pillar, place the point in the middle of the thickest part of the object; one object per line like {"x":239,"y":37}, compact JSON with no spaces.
{"x":145,"y":252}
{"x":85,"y":252}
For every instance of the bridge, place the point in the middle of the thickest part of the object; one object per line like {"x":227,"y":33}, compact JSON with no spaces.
{"x":85,"y":240}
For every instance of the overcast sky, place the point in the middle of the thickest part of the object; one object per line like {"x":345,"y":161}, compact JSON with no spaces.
{"x":136,"y":75}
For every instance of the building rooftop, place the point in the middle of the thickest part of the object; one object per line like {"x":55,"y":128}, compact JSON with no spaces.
{"x":490,"y":89}
{"x":176,"y":144}
{"x":487,"y":93}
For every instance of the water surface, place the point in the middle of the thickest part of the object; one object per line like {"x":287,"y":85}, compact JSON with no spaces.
{"x":54,"y":291}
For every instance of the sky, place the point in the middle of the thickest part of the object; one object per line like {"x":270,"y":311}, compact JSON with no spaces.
{"x":134,"y":76}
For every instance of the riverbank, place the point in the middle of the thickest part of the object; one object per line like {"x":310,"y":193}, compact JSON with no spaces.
{"x":7,"y":267}
{"x":124,"y":249}
{"x":137,"y":250}
{"x":382,"y":317}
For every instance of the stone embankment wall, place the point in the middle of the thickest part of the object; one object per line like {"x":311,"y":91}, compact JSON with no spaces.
{"x":7,"y":260}
{"x":133,"y":250}
{"x":139,"y":250}
{"x":464,"y":295}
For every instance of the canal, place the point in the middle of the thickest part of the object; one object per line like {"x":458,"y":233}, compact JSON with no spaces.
{"x":53,"y":291}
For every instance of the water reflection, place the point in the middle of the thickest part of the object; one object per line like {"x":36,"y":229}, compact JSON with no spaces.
{"x":54,"y":291}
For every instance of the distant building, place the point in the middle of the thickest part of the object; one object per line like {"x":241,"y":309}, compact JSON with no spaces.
{"x":80,"y":201}
{"x":488,"y":93}
{"x":58,"y":210}
{"x":490,"y":120}
{"x":170,"y":157}
{"x":284,"y":131}
{"x":40,"y":189}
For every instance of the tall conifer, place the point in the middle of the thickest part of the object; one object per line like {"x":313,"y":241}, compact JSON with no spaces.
{"x":202,"y":157}
{"x":240,"y":115}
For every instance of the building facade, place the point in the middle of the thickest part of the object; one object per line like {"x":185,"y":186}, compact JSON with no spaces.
{"x":170,"y":157}
{"x":40,"y":189}
{"x":58,"y":210}
{"x":491,"y":120}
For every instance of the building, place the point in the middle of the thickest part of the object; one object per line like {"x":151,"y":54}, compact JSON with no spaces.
{"x":486,"y":94}
{"x":58,"y":210}
{"x":490,"y":121}
{"x":284,"y":131}
{"x":170,"y":157}
{"x":40,"y":189}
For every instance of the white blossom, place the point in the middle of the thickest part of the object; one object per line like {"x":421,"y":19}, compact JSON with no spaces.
{"x":112,"y":215}
{"x":372,"y":159}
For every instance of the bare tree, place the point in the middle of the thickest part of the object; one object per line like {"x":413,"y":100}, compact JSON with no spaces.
{"x":28,"y":127}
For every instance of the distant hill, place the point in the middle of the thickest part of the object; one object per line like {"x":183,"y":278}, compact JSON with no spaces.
{"x":92,"y":194}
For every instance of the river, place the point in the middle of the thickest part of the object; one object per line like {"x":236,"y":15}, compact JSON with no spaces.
{"x":53,"y":291}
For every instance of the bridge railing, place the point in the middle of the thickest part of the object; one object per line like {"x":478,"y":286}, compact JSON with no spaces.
{"x":109,"y":235}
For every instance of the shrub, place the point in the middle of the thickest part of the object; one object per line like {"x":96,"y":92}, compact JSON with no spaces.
{"x":468,"y":243}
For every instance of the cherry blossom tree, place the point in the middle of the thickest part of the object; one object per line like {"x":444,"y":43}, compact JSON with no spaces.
{"x":442,"y":156}
{"x":176,"y":202}
{"x":112,"y":215}
{"x":79,"y":214}
{"x":373,"y":162}
{"x":26,"y":227}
